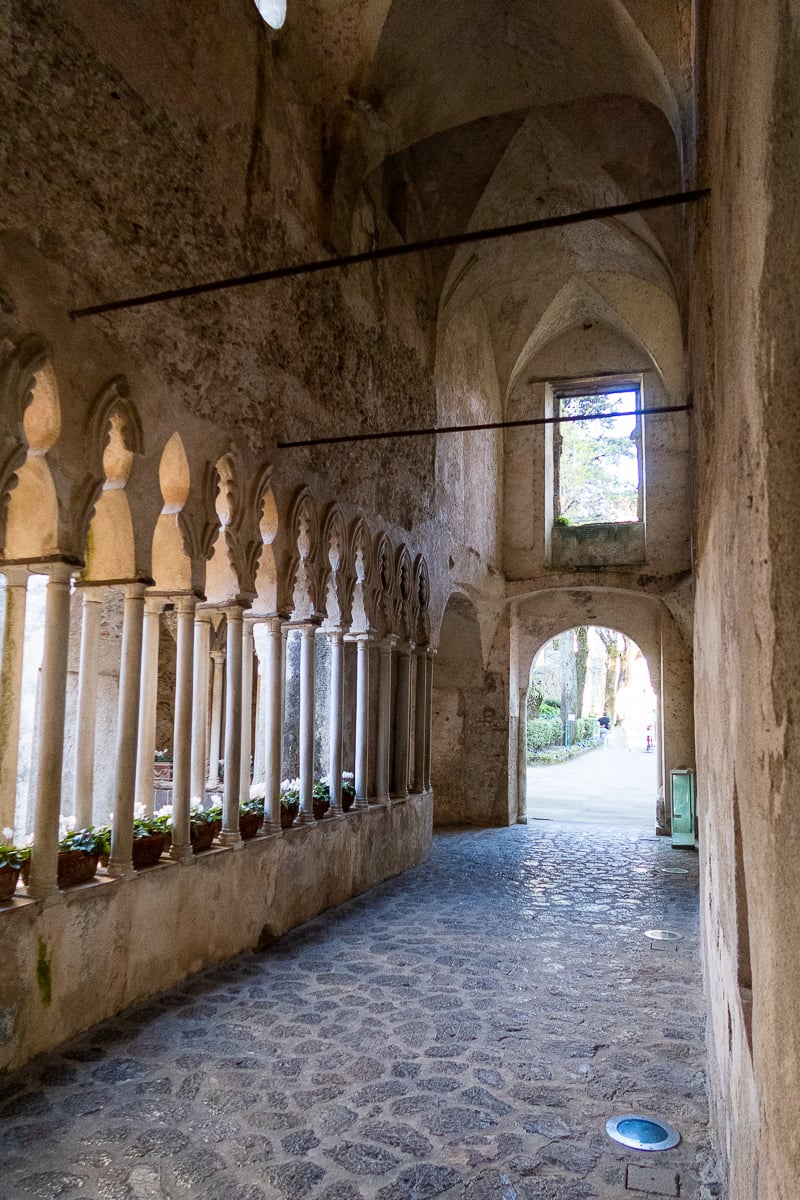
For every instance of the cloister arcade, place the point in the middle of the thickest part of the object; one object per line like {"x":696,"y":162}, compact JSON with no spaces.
{"x":251,"y":587}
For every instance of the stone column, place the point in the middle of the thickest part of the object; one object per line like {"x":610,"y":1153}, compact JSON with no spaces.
{"x":47,"y":769}
{"x":130,"y":672}
{"x":336,"y":639}
{"x":420,"y":703}
{"x":233,"y":727}
{"x":86,"y":714}
{"x":11,"y":690}
{"x":306,"y":738}
{"x":148,"y":701}
{"x":522,"y":757}
{"x":428,"y":718}
{"x":247,"y":710}
{"x":182,"y":745}
{"x":215,"y":739}
{"x":402,"y":722}
{"x":200,"y":681}
{"x":362,"y":719}
{"x":384,"y":740}
{"x":272,"y":701}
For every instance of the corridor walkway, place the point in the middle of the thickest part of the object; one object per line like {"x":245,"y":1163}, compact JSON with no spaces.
{"x":463,"y":1031}
{"x":610,"y":784}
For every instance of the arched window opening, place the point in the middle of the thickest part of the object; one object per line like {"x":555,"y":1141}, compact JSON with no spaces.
{"x":222,"y":584}
{"x":110,"y":543}
{"x":32,"y":527}
{"x":171,"y":565}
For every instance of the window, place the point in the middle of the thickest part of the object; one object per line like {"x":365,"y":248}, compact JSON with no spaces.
{"x":273,"y":11}
{"x":598,"y":464}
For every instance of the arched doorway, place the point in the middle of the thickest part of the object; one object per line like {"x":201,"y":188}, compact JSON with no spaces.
{"x":593,"y":730}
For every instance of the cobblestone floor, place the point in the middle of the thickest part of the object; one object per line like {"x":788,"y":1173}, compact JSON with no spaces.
{"x":462,"y":1031}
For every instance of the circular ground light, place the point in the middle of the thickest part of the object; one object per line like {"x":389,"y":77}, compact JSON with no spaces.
{"x":663,"y":935}
{"x":675,"y":870}
{"x":642,"y":1133}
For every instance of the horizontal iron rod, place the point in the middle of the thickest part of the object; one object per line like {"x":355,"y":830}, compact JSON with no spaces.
{"x":520,"y":424}
{"x":352,"y":260}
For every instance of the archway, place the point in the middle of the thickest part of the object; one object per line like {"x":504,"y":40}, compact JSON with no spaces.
{"x":593,"y":739}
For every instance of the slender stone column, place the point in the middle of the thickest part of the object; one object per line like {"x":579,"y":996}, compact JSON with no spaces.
{"x":47,"y":772}
{"x":428,"y":718}
{"x":86,"y":715}
{"x":522,"y":757}
{"x":148,"y":701}
{"x":182,"y":744}
{"x":402,"y":722}
{"x":215,"y":740}
{"x":247,"y":710}
{"x":336,"y":639}
{"x":384,"y":741}
{"x":306,"y":738}
{"x":420,"y":702}
{"x":201,"y":672}
{"x":130,"y":672}
{"x":11,"y":690}
{"x":259,"y":734}
{"x":362,"y":719}
{"x":233,"y":727}
{"x":272,"y":699}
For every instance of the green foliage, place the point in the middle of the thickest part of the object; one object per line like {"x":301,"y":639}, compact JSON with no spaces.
{"x":585,"y":729}
{"x":598,"y":462}
{"x":11,"y":855}
{"x":550,"y":708}
{"x":90,"y":840}
{"x":544,"y":732}
{"x":251,"y":808}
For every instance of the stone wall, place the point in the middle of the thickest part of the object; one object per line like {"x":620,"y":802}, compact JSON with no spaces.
{"x":103,"y":946}
{"x":746,"y":330}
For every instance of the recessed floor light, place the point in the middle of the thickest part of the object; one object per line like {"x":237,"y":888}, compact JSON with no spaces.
{"x":663,"y":935}
{"x":642,"y":1132}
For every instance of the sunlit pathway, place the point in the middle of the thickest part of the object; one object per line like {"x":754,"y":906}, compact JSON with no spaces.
{"x":463,"y":1031}
{"x":610,"y":784}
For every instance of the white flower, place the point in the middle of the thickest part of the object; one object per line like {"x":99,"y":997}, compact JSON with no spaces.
{"x":348,"y":775}
{"x":164,"y":811}
{"x":139,"y":812}
{"x":8,"y":835}
{"x":27,"y":842}
{"x":257,"y":791}
{"x":65,"y":825}
{"x":195,"y":804}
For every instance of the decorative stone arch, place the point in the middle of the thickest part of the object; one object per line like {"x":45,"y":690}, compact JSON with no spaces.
{"x":385,"y":576}
{"x":171,"y":560}
{"x":262,"y":563}
{"x":337,"y":582}
{"x":404,"y":592}
{"x":468,"y":725}
{"x":225,"y":565}
{"x":422,"y":597}
{"x":32,"y":506}
{"x":19,"y":363}
{"x":362,"y":559}
{"x":304,"y":566}
{"x":114,"y":436}
{"x":647,"y":621}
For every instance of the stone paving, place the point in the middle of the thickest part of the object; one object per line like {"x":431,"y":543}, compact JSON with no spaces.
{"x":462,"y":1031}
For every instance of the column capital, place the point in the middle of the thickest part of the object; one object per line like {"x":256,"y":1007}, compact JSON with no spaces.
{"x":185,"y":603}
{"x":422,"y":650}
{"x":218,"y":656}
{"x":15,"y":576}
{"x":59,"y":572}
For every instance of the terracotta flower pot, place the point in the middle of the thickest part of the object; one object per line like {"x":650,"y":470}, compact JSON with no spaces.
{"x":203,"y":835}
{"x":347,"y":801}
{"x":8,"y":882}
{"x":148,"y":850}
{"x":249,"y":825}
{"x":320,"y":808}
{"x":288,"y":815}
{"x":76,"y":866}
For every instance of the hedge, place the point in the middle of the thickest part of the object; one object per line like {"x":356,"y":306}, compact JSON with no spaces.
{"x":544,"y":732}
{"x":585,"y":729}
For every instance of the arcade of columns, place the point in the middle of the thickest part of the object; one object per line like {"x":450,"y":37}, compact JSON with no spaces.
{"x":304,"y":576}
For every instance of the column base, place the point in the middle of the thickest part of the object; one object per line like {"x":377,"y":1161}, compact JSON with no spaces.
{"x":53,"y":896}
{"x":119,"y":870}
{"x":305,"y":818}
{"x":182,"y":854}
{"x":361,"y":803}
{"x":230,"y":837}
{"x":270,"y":829}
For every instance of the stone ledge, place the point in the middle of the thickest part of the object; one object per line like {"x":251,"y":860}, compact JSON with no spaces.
{"x":102,"y":957}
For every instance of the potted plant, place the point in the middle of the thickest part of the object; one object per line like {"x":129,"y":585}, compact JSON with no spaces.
{"x":149,"y":841}
{"x":11,"y":859}
{"x":321,"y":798}
{"x":79,"y":852}
{"x":348,"y":790}
{"x":204,"y":825}
{"x":290,"y":801}
{"x":251,"y":816}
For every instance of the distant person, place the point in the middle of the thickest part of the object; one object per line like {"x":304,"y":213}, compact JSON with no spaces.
{"x":605,"y":728}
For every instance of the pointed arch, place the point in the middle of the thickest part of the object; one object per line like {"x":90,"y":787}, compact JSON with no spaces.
{"x":304,"y":570}
{"x":31,"y":502}
{"x":336,"y":592}
{"x":172,"y":568}
{"x":363,"y":587}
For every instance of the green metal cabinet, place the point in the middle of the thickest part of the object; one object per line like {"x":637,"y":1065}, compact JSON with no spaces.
{"x":683,"y":807}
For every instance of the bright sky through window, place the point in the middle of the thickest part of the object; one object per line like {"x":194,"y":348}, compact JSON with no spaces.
{"x":598,"y":464}
{"x":273,"y":11}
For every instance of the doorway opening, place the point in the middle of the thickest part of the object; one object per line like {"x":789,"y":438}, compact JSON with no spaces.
{"x":593,"y":738}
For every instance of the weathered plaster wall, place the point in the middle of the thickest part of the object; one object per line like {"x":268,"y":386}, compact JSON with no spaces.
{"x":746,"y":324}
{"x":108,"y":944}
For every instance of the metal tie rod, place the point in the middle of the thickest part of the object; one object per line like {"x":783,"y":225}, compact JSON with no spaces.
{"x":434,"y":430}
{"x":386,"y":252}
